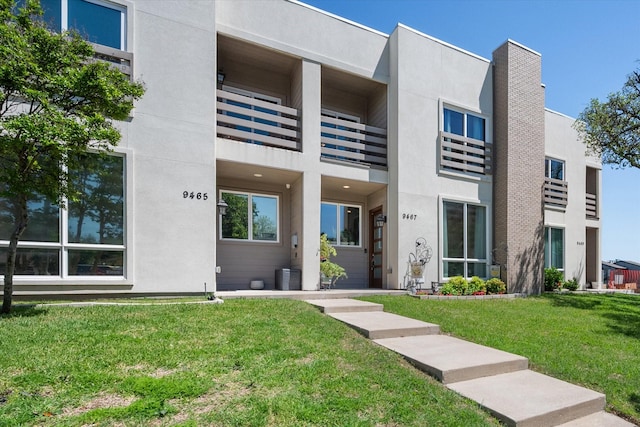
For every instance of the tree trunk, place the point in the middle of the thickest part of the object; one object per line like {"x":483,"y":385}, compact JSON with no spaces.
{"x":21,"y":220}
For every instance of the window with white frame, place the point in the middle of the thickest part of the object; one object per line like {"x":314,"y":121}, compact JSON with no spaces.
{"x":554,"y":247}
{"x":250,"y":217}
{"x":98,"y":21}
{"x":341,"y":223}
{"x":464,"y":239}
{"x":86,"y":239}
{"x":463,"y":142}
{"x":554,"y":169}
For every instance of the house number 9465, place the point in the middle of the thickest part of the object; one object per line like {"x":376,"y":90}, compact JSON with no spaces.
{"x":194,"y":195}
{"x":409,"y":216}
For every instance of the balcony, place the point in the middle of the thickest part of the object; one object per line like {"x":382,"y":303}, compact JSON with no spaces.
{"x":592,"y":206}
{"x":117,"y":58}
{"x":255,"y":121}
{"x":462,"y":154}
{"x":555,"y":192}
{"x":349,"y":141}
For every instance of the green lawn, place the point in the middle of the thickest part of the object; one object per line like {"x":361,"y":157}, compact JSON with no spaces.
{"x":586,"y":339}
{"x":242,"y":363}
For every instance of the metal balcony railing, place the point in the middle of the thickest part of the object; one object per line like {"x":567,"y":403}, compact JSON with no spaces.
{"x":462,"y":154}
{"x":592,"y":205}
{"x":555,"y":192}
{"x":255,"y":121}
{"x":353,"y":142}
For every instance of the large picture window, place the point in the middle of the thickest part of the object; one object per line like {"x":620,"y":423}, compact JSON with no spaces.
{"x":88,"y":240}
{"x":250,"y":216}
{"x":554,"y":248}
{"x":464,"y":230}
{"x":98,"y":21}
{"x":341,"y":224}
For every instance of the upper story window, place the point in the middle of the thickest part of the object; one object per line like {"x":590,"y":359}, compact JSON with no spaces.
{"x":464,"y":124}
{"x":98,"y":21}
{"x":463,"y":145}
{"x":341,"y":224}
{"x":250,"y":216}
{"x":554,"y":169}
{"x":555,"y":186}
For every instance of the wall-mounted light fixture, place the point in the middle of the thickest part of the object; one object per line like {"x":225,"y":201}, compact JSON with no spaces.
{"x":221,"y":77}
{"x":222,"y":207}
{"x":380,"y":220}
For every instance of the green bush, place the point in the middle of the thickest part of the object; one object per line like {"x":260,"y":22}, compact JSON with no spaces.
{"x":448,"y":289}
{"x":552,"y":279}
{"x":571,"y":285}
{"x":496,"y":286}
{"x":477,"y":286}
{"x":460,"y":285}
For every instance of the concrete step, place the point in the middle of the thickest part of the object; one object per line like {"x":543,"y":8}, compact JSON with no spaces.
{"x":451,"y":359}
{"x":599,"y":419}
{"x":344,"y":305}
{"x":527,"y":398}
{"x":379,"y":324}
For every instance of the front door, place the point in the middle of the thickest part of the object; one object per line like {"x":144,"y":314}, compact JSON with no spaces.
{"x":375,"y":249}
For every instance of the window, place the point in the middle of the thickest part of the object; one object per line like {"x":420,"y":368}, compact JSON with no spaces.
{"x":554,"y":169}
{"x":341,"y":224}
{"x":88,"y":240}
{"x":252,"y":217}
{"x":554,"y":248}
{"x":98,"y":21}
{"x":463,"y":146}
{"x":464,"y":231}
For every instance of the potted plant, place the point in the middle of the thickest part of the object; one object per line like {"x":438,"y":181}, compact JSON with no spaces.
{"x":330,"y":272}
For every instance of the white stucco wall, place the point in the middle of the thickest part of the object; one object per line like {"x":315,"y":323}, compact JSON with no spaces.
{"x":562,"y":143}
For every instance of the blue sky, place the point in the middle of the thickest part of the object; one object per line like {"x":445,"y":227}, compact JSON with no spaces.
{"x":588,"y":48}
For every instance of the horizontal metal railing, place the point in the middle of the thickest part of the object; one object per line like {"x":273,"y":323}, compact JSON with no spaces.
{"x":592,"y":205}
{"x":243,"y":118}
{"x":117,"y":58}
{"x":555,"y":192}
{"x":353,"y":142}
{"x":464,"y":154}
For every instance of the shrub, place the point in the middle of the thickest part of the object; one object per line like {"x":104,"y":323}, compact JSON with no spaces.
{"x":448,"y":289}
{"x":571,"y":285}
{"x":496,"y":286}
{"x":460,"y":285}
{"x":477,"y":286}
{"x":552,"y":279}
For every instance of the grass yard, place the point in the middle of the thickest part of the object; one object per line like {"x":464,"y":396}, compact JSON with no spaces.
{"x":587,"y":339}
{"x":242,"y":363}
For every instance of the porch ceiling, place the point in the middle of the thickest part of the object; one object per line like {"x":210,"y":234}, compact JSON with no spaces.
{"x":247,"y":172}
{"x":333,"y":187}
{"x":234,"y":50}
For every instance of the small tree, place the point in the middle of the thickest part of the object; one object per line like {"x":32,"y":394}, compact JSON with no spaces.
{"x":56,"y":102}
{"x":611,"y":129}
{"x":329,"y":269}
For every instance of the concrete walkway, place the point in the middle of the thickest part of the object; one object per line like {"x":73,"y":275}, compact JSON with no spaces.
{"x":499,"y":381}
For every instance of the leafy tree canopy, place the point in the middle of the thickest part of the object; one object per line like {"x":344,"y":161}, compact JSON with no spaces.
{"x":611,"y":129}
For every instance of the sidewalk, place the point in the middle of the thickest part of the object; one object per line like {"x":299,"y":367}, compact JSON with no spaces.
{"x":498,"y":381}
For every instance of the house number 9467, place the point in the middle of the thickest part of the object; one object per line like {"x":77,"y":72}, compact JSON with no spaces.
{"x":194,"y":195}
{"x":409,"y":216}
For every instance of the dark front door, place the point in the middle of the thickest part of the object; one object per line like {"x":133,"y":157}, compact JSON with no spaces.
{"x":375,"y":250}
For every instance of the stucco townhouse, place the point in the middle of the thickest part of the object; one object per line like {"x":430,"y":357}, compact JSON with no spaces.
{"x":297,"y":122}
